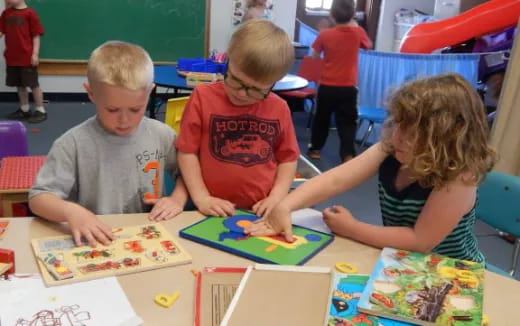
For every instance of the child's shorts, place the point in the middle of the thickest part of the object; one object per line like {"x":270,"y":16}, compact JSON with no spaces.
{"x":22,"y":76}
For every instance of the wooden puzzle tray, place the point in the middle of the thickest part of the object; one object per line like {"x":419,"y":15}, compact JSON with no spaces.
{"x":135,"y":249}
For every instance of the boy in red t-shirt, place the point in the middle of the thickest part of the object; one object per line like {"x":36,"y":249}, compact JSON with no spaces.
{"x":337,"y":91}
{"x":22,"y":30}
{"x":237,"y":146}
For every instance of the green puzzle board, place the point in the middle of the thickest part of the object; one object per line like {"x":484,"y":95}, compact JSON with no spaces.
{"x":213,"y":232}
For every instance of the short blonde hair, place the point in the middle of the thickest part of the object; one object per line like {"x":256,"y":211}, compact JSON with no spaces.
{"x":253,"y":3}
{"x":446,"y":122}
{"x":120,"y":64}
{"x":261,"y":50}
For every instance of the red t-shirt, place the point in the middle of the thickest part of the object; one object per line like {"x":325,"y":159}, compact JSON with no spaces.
{"x":239,"y":147}
{"x":341,"y":47}
{"x":19,"y":27}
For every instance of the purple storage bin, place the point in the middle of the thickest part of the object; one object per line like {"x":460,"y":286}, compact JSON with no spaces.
{"x":13,"y":139}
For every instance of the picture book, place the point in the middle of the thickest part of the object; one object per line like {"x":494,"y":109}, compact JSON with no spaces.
{"x":346,"y":292}
{"x":227,"y":234}
{"x":426,"y":289}
{"x":135,"y":249}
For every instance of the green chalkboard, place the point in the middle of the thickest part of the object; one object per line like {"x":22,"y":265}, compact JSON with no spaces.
{"x":167,"y":29}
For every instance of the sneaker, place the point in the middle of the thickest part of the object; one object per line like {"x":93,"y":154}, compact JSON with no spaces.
{"x":37,"y":117}
{"x":19,"y":115}
{"x":314,"y":154}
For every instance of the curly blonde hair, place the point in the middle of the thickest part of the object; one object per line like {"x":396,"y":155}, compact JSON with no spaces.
{"x":444,"y":120}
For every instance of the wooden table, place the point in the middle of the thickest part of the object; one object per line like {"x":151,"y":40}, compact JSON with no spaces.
{"x":501,"y":295}
{"x":17,"y":176}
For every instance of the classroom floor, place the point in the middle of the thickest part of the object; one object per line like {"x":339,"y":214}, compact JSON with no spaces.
{"x":362,"y":201}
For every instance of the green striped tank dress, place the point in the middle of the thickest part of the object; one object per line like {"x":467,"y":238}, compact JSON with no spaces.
{"x":402,"y":208}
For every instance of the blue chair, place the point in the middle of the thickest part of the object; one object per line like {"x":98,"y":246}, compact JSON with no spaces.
{"x":498,"y":206}
{"x":372,"y":116}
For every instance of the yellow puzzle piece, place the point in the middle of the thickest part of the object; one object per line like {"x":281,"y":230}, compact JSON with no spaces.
{"x":165,"y":300}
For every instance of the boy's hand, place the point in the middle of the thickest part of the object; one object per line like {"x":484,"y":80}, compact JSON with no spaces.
{"x":85,"y":224}
{"x":164,"y":208}
{"x":216,"y":207}
{"x":35,"y":60}
{"x":265,"y":206}
{"x":278,"y":221}
{"x":339,"y":220}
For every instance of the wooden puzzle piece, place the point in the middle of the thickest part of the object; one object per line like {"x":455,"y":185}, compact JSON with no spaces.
{"x":169,"y":247}
{"x":118,"y":235}
{"x":92,"y":254}
{"x":7,"y":257}
{"x":56,"y":244}
{"x":123,"y":236}
{"x":134,"y":246}
{"x":280,"y":241}
{"x":165,"y":300}
{"x":56,"y":266}
{"x":157,"y":256}
{"x":107,"y":265}
{"x":4,"y":268}
{"x":3,"y":228}
{"x":150,"y":232}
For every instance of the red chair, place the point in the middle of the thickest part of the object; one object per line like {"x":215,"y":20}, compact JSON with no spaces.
{"x":310,"y":69}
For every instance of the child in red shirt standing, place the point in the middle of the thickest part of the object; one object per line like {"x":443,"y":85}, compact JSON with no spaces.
{"x":22,"y":30}
{"x":337,"y":91}
{"x":237,"y":145}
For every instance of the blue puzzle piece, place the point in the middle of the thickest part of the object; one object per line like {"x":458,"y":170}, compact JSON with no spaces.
{"x":231,"y":235}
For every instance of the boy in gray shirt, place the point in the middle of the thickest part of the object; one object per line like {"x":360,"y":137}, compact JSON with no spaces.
{"x":112,"y":163}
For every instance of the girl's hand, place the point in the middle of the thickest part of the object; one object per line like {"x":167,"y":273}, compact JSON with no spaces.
{"x":278,"y":221}
{"x":339,"y":220}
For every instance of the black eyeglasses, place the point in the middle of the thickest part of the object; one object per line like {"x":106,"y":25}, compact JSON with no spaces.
{"x":251,"y":91}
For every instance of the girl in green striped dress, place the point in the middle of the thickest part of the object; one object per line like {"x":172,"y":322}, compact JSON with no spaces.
{"x":433,"y":154}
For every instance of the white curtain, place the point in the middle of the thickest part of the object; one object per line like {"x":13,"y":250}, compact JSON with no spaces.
{"x":505,"y":135}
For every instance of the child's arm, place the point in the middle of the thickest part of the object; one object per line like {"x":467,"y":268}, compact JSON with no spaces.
{"x":206,"y":204}
{"x":36,"y":50}
{"x":440,"y":215}
{"x":320,"y":188}
{"x":82,"y":222}
{"x":284,"y":177}
{"x":166,"y":208}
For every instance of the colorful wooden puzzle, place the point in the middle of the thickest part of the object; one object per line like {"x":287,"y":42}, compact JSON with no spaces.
{"x":135,"y":249}
{"x":425,"y":289}
{"x":228,"y":234}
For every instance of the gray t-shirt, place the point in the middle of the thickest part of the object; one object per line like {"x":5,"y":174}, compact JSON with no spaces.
{"x":105,"y":173}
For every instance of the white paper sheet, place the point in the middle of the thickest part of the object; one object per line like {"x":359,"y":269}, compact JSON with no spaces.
{"x":310,"y":218}
{"x":26,"y":301}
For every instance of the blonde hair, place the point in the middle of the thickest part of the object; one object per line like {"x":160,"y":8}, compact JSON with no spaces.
{"x":261,"y":50}
{"x":444,"y":118}
{"x":120,"y":64}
